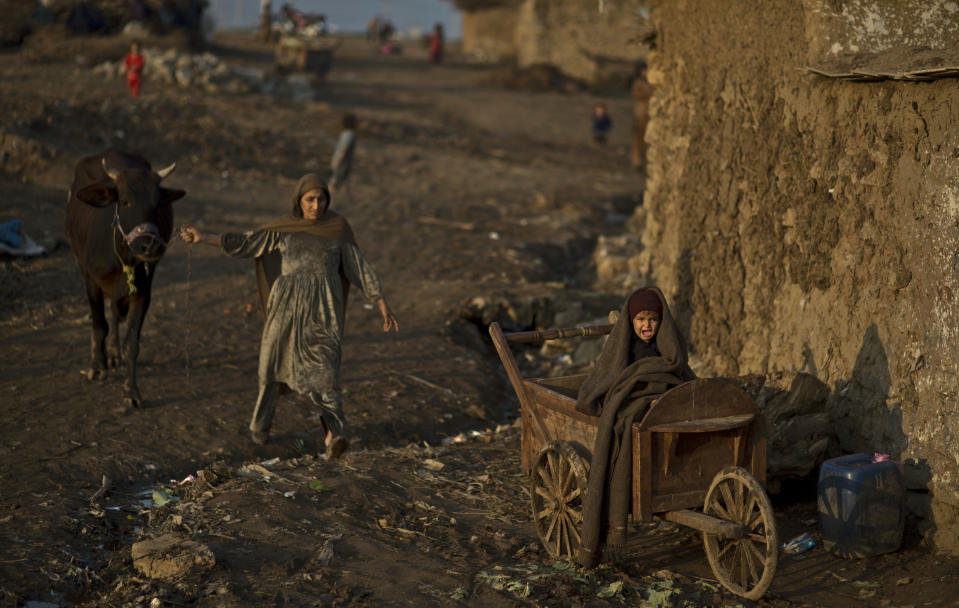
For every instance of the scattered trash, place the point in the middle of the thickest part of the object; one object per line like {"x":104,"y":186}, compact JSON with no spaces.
{"x":904,"y":580}
{"x":433,"y":465}
{"x":611,"y":590}
{"x":289,"y":494}
{"x":16,"y":242}
{"x":660,"y":594}
{"x":162,"y":496}
{"x":319,"y":486}
{"x":800,"y":544}
{"x":494,"y":236}
{"x":325,"y":555}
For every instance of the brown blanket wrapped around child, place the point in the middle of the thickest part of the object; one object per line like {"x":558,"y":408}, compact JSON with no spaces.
{"x":620,"y":392}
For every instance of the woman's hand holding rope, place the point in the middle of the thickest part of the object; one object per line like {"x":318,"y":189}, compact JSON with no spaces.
{"x":191,"y":235}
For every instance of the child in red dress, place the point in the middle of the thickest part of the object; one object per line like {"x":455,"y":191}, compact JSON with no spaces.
{"x":133,"y":62}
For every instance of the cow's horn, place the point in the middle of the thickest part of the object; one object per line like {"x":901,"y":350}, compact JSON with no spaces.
{"x":110,"y":172}
{"x":166,"y":171}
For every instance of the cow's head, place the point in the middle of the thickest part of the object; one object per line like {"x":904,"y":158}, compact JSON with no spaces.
{"x":137,"y":195}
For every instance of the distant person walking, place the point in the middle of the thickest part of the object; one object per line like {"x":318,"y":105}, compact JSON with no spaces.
{"x":642,"y":91}
{"x":436,"y":44}
{"x":266,"y":21}
{"x":342,"y":162}
{"x":601,"y":124}
{"x":133,"y":63}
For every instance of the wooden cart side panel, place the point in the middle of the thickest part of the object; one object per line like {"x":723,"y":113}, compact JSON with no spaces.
{"x":697,"y":399}
{"x":560,"y":421}
{"x":693,"y":460}
{"x":567,"y":385}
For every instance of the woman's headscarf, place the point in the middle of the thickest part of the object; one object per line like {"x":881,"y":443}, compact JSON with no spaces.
{"x":329,"y":225}
{"x":310,"y":181}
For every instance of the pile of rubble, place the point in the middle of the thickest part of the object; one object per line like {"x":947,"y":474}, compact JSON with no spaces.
{"x":210,"y":73}
{"x":203,"y":70}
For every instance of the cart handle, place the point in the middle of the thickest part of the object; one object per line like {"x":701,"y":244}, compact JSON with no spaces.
{"x":524,"y":337}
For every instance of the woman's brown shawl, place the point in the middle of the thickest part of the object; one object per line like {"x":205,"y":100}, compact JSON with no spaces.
{"x":331,"y":226}
{"x":620,"y":394}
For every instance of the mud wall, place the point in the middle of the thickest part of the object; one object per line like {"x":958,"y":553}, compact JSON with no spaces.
{"x":804,"y":223}
{"x":586,"y":40}
{"x":490,"y":33}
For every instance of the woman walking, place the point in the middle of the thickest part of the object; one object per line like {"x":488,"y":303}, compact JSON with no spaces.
{"x":305,"y":264}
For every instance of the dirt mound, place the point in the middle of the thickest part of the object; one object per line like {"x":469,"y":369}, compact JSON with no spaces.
{"x":536,"y":78}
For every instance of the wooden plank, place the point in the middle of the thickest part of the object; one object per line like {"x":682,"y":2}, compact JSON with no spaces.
{"x":515,"y":377}
{"x":706,"y":523}
{"x":544,"y":397}
{"x":699,"y":399}
{"x":571,"y":383}
{"x":758,"y":460}
{"x":704,"y":425}
{"x":676,"y":501}
{"x":643,"y":469}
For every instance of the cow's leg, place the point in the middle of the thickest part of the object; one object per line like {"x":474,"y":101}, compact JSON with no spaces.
{"x":113,"y":344}
{"x":131,"y":346}
{"x":99,"y":332}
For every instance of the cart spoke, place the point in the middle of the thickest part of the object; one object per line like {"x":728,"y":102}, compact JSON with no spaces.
{"x":568,"y":477}
{"x":758,"y":557}
{"x":544,"y":492}
{"x":564,"y":528}
{"x":552,"y":525}
{"x":728,"y":501}
{"x":758,"y":538}
{"x":541,"y":515}
{"x":551,"y":466}
{"x":752,"y":561}
{"x":575,"y":515}
{"x":547,"y":481}
{"x":739,"y":505}
{"x":743,"y":574}
{"x":718,"y":509}
{"x":725,"y":548}
{"x":576,"y":493}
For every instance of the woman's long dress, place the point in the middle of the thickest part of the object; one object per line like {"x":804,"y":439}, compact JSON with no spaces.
{"x":302,"y":336}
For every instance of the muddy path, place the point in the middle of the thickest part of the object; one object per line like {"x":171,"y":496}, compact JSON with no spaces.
{"x":467,"y":200}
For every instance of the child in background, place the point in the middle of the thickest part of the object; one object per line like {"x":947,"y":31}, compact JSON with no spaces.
{"x":342,"y":161}
{"x":133,"y":62}
{"x":601,"y":124}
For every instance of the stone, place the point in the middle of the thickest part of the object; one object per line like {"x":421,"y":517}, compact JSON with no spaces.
{"x":170,"y":557}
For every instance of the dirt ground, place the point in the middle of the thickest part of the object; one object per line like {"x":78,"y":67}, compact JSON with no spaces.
{"x":467,"y":199}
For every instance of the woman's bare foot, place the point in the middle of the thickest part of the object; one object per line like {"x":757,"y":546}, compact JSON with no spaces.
{"x":336,"y":447}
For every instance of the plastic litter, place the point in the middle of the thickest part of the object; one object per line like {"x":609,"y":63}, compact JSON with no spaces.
{"x":800,"y":544}
{"x":16,"y":242}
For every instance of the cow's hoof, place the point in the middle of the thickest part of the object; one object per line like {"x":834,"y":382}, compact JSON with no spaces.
{"x":113,"y":362}
{"x":132,"y":401}
{"x":94,"y":374}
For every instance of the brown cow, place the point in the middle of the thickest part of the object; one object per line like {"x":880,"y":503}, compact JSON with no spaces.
{"x":119,"y":220}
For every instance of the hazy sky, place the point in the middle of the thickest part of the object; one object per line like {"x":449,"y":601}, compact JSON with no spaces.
{"x":348,"y":15}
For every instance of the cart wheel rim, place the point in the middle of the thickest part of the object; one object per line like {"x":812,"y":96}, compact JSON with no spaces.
{"x":557,"y":489}
{"x":744,"y":566}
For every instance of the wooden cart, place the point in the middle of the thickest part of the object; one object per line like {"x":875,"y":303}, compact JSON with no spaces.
{"x":293,"y":54}
{"x":699,"y":445}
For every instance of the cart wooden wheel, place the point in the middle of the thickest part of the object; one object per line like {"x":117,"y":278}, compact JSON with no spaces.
{"x":557,"y":488}
{"x":746,"y":566}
